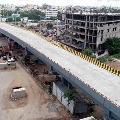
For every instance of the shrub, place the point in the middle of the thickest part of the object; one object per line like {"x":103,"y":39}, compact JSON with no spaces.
{"x":113,"y":45}
{"x":117,"y":55}
{"x":103,"y":59}
{"x":87,"y":52}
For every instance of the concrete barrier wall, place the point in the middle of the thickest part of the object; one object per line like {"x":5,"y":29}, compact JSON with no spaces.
{"x":3,"y":66}
{"x":85,"y":57}
{"x":60,"y":96}
{"x":74,"y":80}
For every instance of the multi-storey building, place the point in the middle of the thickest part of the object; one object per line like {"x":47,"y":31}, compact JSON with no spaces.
{"x":91,"y":30}
{"x":51,"y":13}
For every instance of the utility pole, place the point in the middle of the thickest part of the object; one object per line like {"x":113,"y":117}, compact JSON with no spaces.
{"x":40,"y":24}
{"x":7,"y":17}
{"x":15,"y":20}
{"x":14,"y":16}
{"x":57,"y":27}
{"x":1,"y":17}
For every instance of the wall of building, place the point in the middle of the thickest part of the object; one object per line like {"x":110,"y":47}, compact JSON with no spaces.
{"x":51,"y":13}
{"x":91,"y":30}
{"x":108,"y":30}
{"x":111,"y":30}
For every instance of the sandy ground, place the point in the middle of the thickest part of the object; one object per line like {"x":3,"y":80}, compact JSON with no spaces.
{"x":115,"y":64}
{"x":36,"y":106}
{"x":3,"y":41}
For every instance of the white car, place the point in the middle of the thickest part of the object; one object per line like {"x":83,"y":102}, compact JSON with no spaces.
{"x":10,"y":60}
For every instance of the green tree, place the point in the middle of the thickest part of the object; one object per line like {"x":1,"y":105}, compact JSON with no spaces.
{"x":49,"y":25}
{"x":59,"y":15}
{"x":26,"y":58}
{"x":87,"y":52}
{"x":113,"y":45}
{"x":32,"y":14}
{"x":6,"y":13}
{"x":9,"y":19}
{"x":53,"y":18}
{"x":117,"y":55}
{"x":17,"y":19}
{"x":102,"y":59}
{"x":13,"y":19}
{"x":69,"y":96}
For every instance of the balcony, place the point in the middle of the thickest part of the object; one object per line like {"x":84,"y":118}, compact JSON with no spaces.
{"x":92,"y":27}
{"x":79,"y":39}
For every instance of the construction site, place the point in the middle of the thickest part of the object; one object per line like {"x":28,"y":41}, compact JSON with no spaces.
{"x":90,"y":30}
{"x":28,"y":86}
{"x":31,"y":86}
{"x":28,"y":101}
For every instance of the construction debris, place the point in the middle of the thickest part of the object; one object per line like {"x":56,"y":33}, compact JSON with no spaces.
{"x":17,"y":93}
{"x":89,"y":118}
{"x":3,"y":66}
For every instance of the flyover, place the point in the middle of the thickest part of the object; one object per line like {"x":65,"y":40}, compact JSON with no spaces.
{"x":99,"y":84}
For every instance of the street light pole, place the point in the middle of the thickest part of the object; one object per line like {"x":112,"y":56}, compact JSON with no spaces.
{"x":57,"y":27}
{"x":1,"y":18}
{"x":14,"y":17}
{"x":40,"y":25}
{"x":15,"y":20}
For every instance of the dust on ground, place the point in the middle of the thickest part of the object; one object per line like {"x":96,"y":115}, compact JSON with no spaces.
{"x":115,"y":64}
{"x":37,"y":105}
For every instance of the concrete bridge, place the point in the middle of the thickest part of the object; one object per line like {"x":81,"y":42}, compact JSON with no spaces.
{"x":102,"y":86}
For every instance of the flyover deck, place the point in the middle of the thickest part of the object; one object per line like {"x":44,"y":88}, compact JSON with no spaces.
{"x":101,"y":80}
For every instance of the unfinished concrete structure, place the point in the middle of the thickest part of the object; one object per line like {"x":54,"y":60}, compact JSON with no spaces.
{"x":87,"y":30}
{"x":76,"y":105}
{"x":18,"y":92}
{"x":89,"y":118}
{"x":3,"y":66}
{"x":97,"y":83}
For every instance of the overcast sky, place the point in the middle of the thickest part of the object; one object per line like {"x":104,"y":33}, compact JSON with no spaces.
{"x":64,"y":2}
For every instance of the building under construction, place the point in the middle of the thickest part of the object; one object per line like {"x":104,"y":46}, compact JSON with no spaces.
{"x":87,"y":30}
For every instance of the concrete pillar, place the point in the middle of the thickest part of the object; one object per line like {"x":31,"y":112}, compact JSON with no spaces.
{"x":110,"y":116}
{"x":26,"y":51}
{"x":65,"y":82}
{"x":62,"y":80}
{"x":0,"y":34}
{"x":85,"y":32}
{"x":53,"y":71}
{"x":51,"y":68}
{"x":40,"y":62}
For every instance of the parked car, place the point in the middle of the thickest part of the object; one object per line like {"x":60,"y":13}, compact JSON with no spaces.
{"x":50,"y":35}
{"x":9,"y":61}
{"x":1,"y":54}
{"x":4,"y":57}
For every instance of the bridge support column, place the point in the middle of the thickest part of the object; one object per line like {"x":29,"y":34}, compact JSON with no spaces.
{"x":2,"y":35}
{"x":53,"y":71}
{"x":26,"y":51}
{"x":65,"y":82}
{"x":62,"y":80}
{"x":40,"y":62}
{"x":51,"y":68}
{"x":110,"y":116}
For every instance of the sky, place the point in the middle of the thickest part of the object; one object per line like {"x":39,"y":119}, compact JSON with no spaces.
{"x":115,"y":3}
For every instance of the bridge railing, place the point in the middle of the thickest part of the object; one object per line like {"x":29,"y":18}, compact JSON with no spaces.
{"x":85,"y":57}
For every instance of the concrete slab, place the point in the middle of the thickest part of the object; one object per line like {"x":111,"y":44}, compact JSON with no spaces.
{"x":101,"y":80}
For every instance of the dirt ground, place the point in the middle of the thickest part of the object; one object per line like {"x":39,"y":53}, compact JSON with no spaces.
{"x":115,"y":64}
{"x":38,"y":105}
{"x":3,"y":41}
